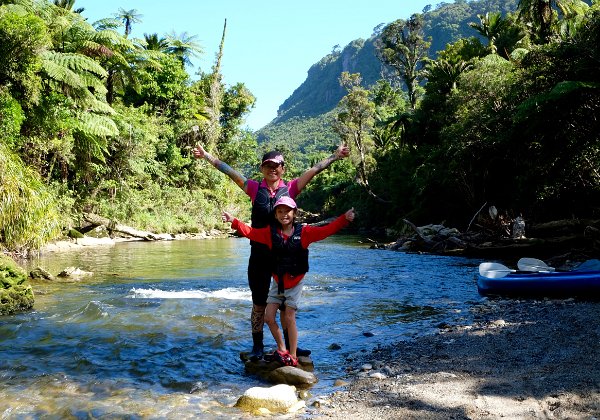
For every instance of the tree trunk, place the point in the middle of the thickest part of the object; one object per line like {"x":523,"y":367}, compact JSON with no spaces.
{"x":113,"y":226}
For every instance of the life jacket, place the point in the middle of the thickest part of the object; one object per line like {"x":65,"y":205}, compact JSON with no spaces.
{"x":288,"y":256}
{"x":262,"y":207}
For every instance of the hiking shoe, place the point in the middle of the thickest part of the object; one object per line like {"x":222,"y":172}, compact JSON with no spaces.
{"x":256,"y":354}
{"x":290,"y":361}
{"x":302,"y":352}
{"x":285,"y":358}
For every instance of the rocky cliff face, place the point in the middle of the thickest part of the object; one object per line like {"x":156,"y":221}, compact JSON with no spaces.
{"x":321,"y":91}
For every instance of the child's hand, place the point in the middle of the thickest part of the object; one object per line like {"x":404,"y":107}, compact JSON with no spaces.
{"x":350,"y":215}
{"x":198,"y":152}
{"x":227,"y":218}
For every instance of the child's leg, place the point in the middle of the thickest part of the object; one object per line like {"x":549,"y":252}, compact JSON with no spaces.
{"x":271,"y":320}
{"x":292,"y":329}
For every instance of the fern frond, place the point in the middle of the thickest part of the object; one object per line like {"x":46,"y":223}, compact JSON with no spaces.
{"x":99,"y":107}
{"x":97,"y":126}
{"x":59,"y":73}
{"x":111,"y":37}
{"x":80,"y":63}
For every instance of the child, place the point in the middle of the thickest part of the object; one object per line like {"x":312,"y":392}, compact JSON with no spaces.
{"x":289,"y":243}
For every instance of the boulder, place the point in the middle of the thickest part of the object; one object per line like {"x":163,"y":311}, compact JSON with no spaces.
{"x":15,"y":296}
{"x":273,"y":371}
{"x":39,"y":273}
{"x":74,"y":272}
{"x":276,"y":399}
{"x":292,"y":376}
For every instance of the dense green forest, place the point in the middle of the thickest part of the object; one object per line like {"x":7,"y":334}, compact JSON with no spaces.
{"x":92,"y":120}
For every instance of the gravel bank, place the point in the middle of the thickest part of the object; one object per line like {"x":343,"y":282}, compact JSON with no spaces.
{"x":519,"y":359}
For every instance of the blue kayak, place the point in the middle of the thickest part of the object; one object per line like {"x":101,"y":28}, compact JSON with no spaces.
{"x":556,"y":283}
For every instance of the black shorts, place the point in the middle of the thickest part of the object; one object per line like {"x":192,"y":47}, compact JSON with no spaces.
{"x":259,"y":273}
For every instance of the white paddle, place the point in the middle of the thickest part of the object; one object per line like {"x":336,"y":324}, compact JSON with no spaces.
{"x":494,"y":270}
{"x":533,"y":264}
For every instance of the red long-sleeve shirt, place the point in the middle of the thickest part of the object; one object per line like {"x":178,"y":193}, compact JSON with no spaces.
{"x":308,"y":235}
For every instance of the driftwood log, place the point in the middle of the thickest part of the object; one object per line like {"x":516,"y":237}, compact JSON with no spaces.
{"x":576,"y":238}
{"x":113,"y":226}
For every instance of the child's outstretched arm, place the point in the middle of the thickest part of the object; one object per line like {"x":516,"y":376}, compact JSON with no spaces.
{"x":262,"y":235}
{"x":312,"y":234}
{"x":240,"y":180}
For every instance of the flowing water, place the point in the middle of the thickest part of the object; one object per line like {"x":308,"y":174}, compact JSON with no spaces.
{"x":156,"y":332}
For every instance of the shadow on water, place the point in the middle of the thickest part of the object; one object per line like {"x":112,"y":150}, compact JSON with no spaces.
{"x":159,"y":326}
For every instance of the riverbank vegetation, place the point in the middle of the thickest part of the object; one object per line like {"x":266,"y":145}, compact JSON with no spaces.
{"x":498,"y":125}
{"x":92,"y":120}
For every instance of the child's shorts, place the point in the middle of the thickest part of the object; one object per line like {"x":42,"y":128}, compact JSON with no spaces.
{"x":290,"y":297}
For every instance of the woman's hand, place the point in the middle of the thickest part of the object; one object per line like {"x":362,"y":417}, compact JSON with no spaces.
{"x":342,"y":151}
{"x":199,"y":152}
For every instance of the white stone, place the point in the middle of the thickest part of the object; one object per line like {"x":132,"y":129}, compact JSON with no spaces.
{"x":276,"y":399}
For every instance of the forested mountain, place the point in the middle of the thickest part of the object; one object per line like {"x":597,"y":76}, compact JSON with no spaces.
{"x":321,"y":91}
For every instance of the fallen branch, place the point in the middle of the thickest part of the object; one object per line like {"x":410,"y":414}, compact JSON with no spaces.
{"x":113,"y":226}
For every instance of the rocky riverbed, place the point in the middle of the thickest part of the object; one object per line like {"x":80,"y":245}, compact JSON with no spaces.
{"x":520,"y":359}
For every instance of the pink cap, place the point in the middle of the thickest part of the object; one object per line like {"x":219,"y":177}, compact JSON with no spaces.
{"x":273,"y":156}
{"x":285,"y":201}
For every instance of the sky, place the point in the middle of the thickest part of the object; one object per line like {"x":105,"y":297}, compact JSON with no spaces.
{"x":269,"y":45}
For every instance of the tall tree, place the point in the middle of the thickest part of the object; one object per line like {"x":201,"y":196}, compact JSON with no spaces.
{"x":184,"y":47}
{"x":403,"y":47}
{"x":128,"y":17}
{"x":354,"y":124}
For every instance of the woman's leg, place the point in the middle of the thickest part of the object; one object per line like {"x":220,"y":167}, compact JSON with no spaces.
{"x":259,"y":279}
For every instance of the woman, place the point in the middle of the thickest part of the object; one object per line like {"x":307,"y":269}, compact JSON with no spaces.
{"x":263,"y":195}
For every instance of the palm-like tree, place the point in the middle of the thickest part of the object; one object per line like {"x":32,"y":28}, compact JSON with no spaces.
{"x":183,"y":47}
{"x":68,"y":5}
{"x":154,"y":43}
{"x":541,"y":15}
{"x":445,"y":73}
{"x":491,"y":26}
{"x":128,"y":17}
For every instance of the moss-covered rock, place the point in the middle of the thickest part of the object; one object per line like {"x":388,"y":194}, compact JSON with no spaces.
{"x":15,"y":296}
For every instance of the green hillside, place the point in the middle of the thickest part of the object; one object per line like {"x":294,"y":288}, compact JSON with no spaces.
{"x":302,"y":122}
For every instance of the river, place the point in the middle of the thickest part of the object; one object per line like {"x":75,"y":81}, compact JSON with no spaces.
{"x":156,"y":332}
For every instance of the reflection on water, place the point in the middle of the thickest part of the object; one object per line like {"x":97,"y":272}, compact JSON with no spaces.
{"x":157,"y":331}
